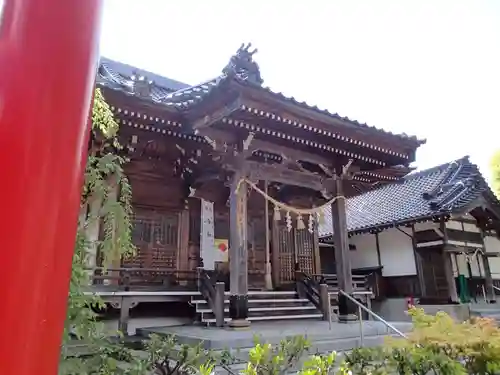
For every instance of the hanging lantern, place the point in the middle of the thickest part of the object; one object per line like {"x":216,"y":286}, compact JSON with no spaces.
{"x":300,"y":223}
{"x":288,"y":221}
{"x":277,"y":214}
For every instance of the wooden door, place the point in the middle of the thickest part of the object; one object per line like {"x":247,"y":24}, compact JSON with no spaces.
{"x":433,"y":272}
{"x":256,"y":252}
{"x":156,"y":236}
{"x":292,"y":247}
{"x":304,"y":247}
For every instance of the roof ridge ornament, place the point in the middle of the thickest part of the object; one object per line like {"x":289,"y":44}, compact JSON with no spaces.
{"x":242,"y":66}
{"x":140,"y":83}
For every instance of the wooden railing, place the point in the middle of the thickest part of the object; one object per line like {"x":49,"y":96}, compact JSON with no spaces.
{"x":318,"y":289}
{"x":128,"y":278}
{"x":213,"y":292}
{"x":359,"y":282}
{"x":309,"y":288}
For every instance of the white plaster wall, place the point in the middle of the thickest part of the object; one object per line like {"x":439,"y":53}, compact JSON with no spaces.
{"x":459,"y":264}
{"x":468,"y":227}
{"x":424,"y":226}
{"x":476,"y":265}
{"x":365,"y":254}
{"x":396,"y":253}
{"x":492,"y":245}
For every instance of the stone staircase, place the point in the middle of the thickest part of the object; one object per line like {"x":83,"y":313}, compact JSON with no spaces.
{"x":263,"y":306}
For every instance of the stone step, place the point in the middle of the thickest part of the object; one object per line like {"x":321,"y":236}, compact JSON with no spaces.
{"x":252,"y":300}
{"x":262,"y":309}
{"x":270,"y":317}
{"x":264,"y":306}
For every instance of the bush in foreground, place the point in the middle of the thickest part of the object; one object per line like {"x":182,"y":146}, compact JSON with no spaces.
{"x":437,"y":345}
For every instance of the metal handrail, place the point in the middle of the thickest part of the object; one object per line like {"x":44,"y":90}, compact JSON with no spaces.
{"x":370,"y":312}
{"x":496,"y":288}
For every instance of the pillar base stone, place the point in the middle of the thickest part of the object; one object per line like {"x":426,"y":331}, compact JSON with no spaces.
{"x":239,"y":324}
{"x":349,"y":318}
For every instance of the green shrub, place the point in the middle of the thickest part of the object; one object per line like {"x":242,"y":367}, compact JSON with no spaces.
{"x":438,"y":345}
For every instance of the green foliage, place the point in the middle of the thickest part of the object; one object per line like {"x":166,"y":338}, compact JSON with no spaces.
{"x":103,"y":121}
{"x":437,"y":345}
{"x":495,"y":173}
{"x":104,"y":176}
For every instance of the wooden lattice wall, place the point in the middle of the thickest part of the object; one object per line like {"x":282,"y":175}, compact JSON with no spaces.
{"x":156,"y":236}
{"x":289,"y":248}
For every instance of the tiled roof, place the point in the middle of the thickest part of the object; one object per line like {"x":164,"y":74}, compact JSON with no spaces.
{"x":123,"y":77}
{"x":445,"y":189}
{"x":241,"y":68}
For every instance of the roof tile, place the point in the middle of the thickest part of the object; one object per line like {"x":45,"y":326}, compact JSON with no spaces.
{"x":446,"y":188}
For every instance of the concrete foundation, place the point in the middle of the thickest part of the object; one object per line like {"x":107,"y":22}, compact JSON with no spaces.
{"x":323,"y":336}
{"x":395,"y":309}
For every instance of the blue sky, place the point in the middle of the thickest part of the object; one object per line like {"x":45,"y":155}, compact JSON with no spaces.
{"x":425,"y":67}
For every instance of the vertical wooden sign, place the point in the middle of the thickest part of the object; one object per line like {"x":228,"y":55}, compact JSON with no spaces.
{"x":207,"y":242}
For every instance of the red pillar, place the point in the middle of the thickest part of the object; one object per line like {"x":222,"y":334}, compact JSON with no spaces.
{"x":48,"y":59}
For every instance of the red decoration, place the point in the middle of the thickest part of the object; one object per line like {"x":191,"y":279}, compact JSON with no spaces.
{"x":222,"y":247}
{"x":410,"y":302}
{"x":48,"y":55}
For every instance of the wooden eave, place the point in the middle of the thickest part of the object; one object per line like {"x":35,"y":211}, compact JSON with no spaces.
{"x":146,"y":116}
{"x":291,"y":110}
{"x":118,"y":100}
{"x":230,"y":100}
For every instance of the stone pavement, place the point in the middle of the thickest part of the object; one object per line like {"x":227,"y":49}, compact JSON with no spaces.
{"x":323,"y":337}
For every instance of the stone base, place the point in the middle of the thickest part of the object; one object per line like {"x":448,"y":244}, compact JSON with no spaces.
{"x":349,"y":318}
{"x":239,"y":324}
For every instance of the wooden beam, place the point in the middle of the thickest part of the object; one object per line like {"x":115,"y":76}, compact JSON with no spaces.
{"x":278,"y":173}
{"x":266,"y":146}
{"x":208,"y":118}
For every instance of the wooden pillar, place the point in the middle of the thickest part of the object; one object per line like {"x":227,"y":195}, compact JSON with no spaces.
{"x":268,"y":274}
{"x":490,"y":291}
{"x":448,"y":270}
{"x":418,"y":264}
{"x":183,"y":247}
{"x":448,"y":266}
{"x":275,"y":261}
{"x":341,"y":239}
{"x":238,"y":253}
{"x":326,"y":307}
{"x":488,"y":279}
{"x":347,"y":310}
{"x":317,"y":257}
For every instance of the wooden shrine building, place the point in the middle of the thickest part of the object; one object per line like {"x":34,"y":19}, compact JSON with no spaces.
{"x":231,"y":163}
{"x":434,"y":235}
